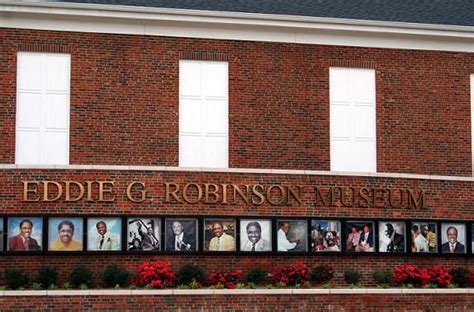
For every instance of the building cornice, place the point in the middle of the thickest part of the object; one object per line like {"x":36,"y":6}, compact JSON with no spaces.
{"x":234,"y":26}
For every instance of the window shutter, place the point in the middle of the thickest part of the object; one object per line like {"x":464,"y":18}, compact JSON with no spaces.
{"x":353,"y":123}
{"x":43,"y":91}
{"x":203,"y":114}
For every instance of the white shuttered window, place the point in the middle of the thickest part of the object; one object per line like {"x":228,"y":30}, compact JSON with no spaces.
{"x":472,"y":122}
{"x":42,"y":116}
{"x":353,"y":122}
{"x":203,"y":114}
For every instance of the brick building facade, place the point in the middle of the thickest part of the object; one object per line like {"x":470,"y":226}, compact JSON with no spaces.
{"x":124,"y":127}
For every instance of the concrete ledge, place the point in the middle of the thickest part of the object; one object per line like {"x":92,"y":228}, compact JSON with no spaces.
{"x":217,"y":292}
{"x":238,"y":170}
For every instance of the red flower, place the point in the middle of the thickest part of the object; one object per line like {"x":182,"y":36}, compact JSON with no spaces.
{"x":225,"y":279}
{"x":156,"y":274}
{"x":291,"y":275}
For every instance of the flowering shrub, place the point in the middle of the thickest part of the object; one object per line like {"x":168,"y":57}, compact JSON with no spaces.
{"x":411,"y":275}
{"x":224,"y":279}
{"x":156,"y":274}
{"x":291,"y":275}
{"x":439,"y":276}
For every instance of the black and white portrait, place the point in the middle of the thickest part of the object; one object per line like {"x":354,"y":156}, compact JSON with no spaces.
{"x":181,"y":235}
{"x":453,"y":238}
{"x":325,"y":235}
{"x":392,"y":236}
{"x":143,"y":234}
{"x":292,"y":235}
{"x":255,"y":235}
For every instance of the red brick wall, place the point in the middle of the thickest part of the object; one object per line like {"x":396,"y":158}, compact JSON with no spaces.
{"x":312,"y":302}
{"x":444,"y":200}
{"x":124,"y":101}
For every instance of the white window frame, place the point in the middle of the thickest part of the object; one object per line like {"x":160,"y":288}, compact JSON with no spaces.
{"x":42,"y":91}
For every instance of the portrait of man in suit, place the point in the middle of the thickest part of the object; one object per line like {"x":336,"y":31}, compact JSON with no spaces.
{"x":255,"y":235}
{"x":392,"y":236}
{"x":452,"y":241}
{"x":360,"y":236}
{"x":181,"y":235}
{"x":104,"y":234}
{"x":24,"y":240}
{"x":220,"y":235}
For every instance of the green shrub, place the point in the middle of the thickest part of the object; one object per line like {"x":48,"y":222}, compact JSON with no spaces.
{"x":460,"y":276}
{"x":80,"y":276}
{"x":191,"y":275}
{"x":15,"y":278}
{"x":46,"y":277}
{"x":322,"y":274}
{"x":257,"y":276}
{"x":113,"y":276}
{"x":352,"y":277}
{"x":383,"y":277}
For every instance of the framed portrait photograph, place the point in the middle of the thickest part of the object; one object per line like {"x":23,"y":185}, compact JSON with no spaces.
{"x":143,"y":234}
{"x":255,"y":235}
{"x":292,"y":235}
{"x":424,"y":237}
{"x":360,"y":236}
{"x":25,"y":234}
{"x":472,"y":238}
{"x":104,"y":234}
{"x":453,"y":238}
{"x":392,"y":236}
{"x":219,"y":234}
{"x":1,"y":234}
{"x":181,"y":235}
{"x":65,"y":234}
{"x":325,"y":235}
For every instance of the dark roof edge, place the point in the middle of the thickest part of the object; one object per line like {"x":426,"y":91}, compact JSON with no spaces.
{"x":238,"y":15}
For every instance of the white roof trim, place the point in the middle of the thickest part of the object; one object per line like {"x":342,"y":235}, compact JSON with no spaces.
{"x":237,"y":26}
{"x":238,"y":170}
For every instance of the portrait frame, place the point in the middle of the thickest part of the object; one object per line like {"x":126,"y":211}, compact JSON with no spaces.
{"x":328,"y":238}
{"x":428,"y":242}
{"x":14,"y":241}
{"x":210,"y":240}
{"x":353,"y":241}
{"x":143,"y":234}
{"x":113,"y":237}
{"x":397,"y":243}
{"x":461,"y":229}
{"x":77,"y":240}
{"x":472,"y":238}
{"x":2,"y":234}
{"x":265,"y":242}
{"x":298,"y":230}
{"x":190,"y":228}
